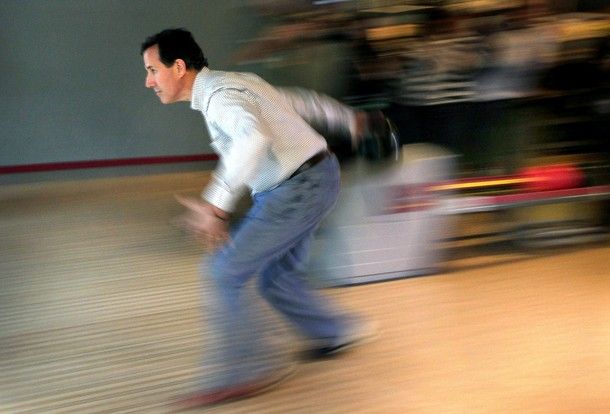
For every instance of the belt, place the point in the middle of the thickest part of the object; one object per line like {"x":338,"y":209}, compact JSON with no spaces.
{"x":320,"y":156}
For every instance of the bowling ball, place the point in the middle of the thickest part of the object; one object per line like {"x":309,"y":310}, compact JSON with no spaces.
{"x":382,"y":141}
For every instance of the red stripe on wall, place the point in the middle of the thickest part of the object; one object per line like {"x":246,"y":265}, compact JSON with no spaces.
{"x":120,"y":162}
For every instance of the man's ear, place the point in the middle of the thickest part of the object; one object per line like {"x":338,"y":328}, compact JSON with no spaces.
{"x":180,"y":66}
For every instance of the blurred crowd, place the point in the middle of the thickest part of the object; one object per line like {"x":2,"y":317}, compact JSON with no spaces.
{"x":493,"y":80}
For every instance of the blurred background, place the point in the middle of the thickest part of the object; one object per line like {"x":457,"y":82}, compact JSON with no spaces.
{"x":497,"y":82}
{"x":494,"y":81}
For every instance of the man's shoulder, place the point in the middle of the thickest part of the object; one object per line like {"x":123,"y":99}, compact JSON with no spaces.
{"x":219,"y":79}
{"x":211,"y":83}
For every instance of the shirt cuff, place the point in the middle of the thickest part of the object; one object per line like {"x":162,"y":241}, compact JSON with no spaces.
{"x":218,"y":194}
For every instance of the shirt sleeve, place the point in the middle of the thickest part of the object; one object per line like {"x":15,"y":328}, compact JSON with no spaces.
{"x":325,"y":114}
{"x":237,"y":115}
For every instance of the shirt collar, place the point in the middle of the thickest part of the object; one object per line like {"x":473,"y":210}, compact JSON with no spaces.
{"x":197,"y":97}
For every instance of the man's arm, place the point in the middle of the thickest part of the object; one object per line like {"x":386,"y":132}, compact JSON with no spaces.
{"x":327,"y":115}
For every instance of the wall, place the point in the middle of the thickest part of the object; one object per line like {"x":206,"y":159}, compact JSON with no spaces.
{"x":72,"y":78}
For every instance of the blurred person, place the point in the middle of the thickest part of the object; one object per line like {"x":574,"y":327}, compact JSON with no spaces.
{"x":434,"y":86}
{"x":518,"y":54}
{"x":266,"y":145}
{"x":581,"y":80}
{"x":329,"y":38}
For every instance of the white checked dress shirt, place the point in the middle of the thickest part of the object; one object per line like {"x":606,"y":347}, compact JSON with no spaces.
{"x":262,"y":134}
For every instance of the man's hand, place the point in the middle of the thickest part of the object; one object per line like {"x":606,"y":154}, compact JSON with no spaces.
{"x":207,"y":222}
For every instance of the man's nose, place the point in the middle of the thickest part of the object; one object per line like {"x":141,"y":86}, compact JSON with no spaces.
{"x":150,"y":82}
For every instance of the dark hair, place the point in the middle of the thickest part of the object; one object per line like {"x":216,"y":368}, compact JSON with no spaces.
{"x":176,"y":44}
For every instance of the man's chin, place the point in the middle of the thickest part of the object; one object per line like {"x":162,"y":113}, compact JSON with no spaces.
{"x":166,"y":101}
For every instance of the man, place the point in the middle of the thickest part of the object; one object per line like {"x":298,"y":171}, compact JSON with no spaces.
{"x":267,"y":146}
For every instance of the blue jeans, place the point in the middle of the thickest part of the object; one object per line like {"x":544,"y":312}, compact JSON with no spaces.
{"x":273,"y":243}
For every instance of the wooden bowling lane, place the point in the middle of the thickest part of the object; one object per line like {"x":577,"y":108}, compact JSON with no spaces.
{"x":100,"y":299}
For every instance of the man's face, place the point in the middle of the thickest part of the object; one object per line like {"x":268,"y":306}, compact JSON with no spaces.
{"x":165,"y":81}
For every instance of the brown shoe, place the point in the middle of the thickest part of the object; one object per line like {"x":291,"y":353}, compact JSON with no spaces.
{"x":233,"y":393}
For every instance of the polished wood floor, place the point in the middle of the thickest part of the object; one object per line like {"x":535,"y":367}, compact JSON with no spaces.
{"x":100,"y":313}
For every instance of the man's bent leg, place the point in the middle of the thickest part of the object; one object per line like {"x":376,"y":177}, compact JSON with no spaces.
{"x":279,"y":220}
{"x":235,"y":350}
{"x":283,"y":283}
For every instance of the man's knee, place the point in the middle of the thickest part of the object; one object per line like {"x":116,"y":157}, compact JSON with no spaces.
{"x":219,"y":269}
{"x":225,"y":271}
